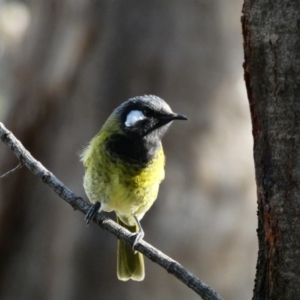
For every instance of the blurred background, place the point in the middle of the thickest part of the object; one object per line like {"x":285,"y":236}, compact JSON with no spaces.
{"x":64,"y":66}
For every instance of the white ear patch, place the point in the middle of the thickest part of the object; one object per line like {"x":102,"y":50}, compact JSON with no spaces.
{"x":133,"y":117}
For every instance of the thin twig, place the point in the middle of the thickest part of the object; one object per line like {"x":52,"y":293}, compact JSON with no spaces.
{"x":105,"y":223}
{"x":19,"y":166}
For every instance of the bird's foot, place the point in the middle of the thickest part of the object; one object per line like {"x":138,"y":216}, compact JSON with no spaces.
{"x":139,"y":235}
{"x":92,"y":212}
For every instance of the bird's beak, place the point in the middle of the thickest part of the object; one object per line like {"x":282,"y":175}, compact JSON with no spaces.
{"x":165,"y":119}
{"x":174,"y":116}
{"x":179,"y":117}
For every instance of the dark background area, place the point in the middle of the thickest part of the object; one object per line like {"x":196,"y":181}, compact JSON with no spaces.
{"x":64,"y":65}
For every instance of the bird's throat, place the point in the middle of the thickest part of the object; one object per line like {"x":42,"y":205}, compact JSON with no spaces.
{"x":135,"y":151}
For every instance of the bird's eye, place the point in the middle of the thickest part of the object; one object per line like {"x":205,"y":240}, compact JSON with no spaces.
{"x":147,"y":113}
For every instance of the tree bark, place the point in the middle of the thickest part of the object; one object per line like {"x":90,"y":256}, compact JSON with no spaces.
{"x":272,"y":74}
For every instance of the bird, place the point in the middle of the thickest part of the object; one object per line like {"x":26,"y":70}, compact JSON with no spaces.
{"x":124,"y":166}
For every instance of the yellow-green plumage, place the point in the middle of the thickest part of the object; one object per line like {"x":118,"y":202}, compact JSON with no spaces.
{"x":125,"y":188}
{"x":124,"y":166}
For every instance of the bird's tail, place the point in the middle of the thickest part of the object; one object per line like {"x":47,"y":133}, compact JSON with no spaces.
{"x":130,"y":265}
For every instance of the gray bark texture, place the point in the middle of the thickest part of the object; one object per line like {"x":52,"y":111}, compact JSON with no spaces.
{"x":271,"y":32}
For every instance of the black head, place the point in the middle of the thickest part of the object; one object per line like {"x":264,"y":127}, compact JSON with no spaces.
{"x":142,"y":121}
{"x":146,"y":116}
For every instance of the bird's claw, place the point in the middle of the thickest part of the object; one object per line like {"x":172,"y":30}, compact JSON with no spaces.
{"x":138,"y":237}
{"x":92,"y":212}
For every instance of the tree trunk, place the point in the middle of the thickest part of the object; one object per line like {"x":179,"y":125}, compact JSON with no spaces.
{"x":272,"y":74}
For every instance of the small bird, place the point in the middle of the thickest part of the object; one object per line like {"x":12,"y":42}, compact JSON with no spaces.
{"x":124,"y":166}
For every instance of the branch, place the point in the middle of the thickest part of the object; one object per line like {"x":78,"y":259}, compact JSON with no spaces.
{"x":103,"y":222}
{"x":19,"y":166}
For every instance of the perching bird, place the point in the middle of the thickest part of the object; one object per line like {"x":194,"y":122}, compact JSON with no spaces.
{"x":124,"y":165}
